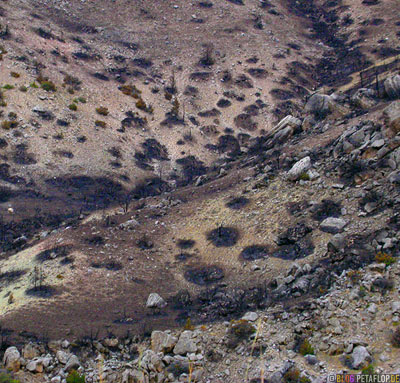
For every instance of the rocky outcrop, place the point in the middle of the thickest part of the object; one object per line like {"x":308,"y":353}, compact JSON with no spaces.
{"x":392,"y":86}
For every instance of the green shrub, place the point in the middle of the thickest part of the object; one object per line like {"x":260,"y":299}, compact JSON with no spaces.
{"x":7,"y":378}
{"x":306,"y":348}
{"x":15,"y":75}
{"x":23,"y":88}
{"x":73,"y":107}
{"x":103,"y":111}
{"x":294,"y":376}
{"x":8,"y":86}
{"x":33,"y":85}
{"x":100,"y":123}
{"x":82,"y":100}
{"x":48,"y":86}
{"x":368,"y":370}
{"x":75,"y":377}
{"x":385,"y":258}
{"x":7,"y":125}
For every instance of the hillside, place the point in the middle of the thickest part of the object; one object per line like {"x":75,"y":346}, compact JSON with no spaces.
{"x":228,"y":157}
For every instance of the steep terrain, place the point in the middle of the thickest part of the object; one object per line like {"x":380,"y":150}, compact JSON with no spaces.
{"x":225,"y":156}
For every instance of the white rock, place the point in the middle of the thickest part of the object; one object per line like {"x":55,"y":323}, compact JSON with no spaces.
{"x":299,"y":168}
{"x":250,"y":316}
{"x":155,"y":301}
{"x":333,"y":225}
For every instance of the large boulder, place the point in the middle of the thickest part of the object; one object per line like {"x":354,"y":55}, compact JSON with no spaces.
{"x":364,"y":98}
{"x":360,"y":357}
{"x":392,"y":116}
{"x":72,"y":364}
{"x":35,"y":366}
{"x":12,"y":359}
{"x":162,"y":341}
{"x":392,"y":86}
{"x":299,"y":168}
{"x":333,"y":225}
{"x":30,"y":351}
{"x":186,"y":344}
{"x":155,"y":301}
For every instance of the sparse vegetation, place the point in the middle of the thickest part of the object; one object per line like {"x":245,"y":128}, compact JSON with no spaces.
{"x":8,"y":86}
{"x":100,"y":124}
{"x":385,"y":258}
{"x":103,"y":111}
{"x":306,"y":348}
{"x":23,"y":88}
{"x":15,"y":75}
{"x":7,"y":125}
{"x":73,"y":107}
{"x":75,"y":377}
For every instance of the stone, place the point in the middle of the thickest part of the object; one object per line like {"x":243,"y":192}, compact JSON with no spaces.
{"x":299,"y":168}
{"x":337,"y":243}
{"x":392,"y":86}
{"x":360,"y":357}
{"x":162,"y":341}
{"x":111,"y":342}
{"x":12,"y":359}
{"x":155,"y":301}
{"x":392,"y":116}
{"x":30,"y":351}
{"x":73,"y":363}
{"x":364,"y":98}
{"x":311,"y":359}
{"x":319,"y":104}
{"x":250,"y":316}
{"x":396,"y":307}
{"x":129,"y":225}
{"x":372,"y":308}
{"x":35,"y":366}
{"x":62,"y":356}
{"x":151,"y":361}
{"x":290,"y":121}
{"x":65,"y":344}
{"x":333,"y":225}
{"x":186,"y":344}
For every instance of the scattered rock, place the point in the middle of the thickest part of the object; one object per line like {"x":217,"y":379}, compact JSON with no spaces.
{"x":155,"y":301}
{"x":299,"y":168}
{"x":333,"y":225}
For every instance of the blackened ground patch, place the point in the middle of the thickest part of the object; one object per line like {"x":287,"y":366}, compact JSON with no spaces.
{"x":254,"y":252}
{"x":185,"y":243}
{"x":223,"y":236}
{"x":300,"y":249}
{"x":204,"y":275}
{"x":55,"y":252}
{"x":237,"y":203}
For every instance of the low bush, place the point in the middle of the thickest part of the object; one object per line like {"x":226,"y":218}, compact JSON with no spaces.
{"x":75,"y":377}
{"x":385,"y":258}
{"x":7,"y":125}
{"x":103,"y":111}
{"x":100,"y":124}
{"x":8,"y":86}
{"x":15,"y":75}
{"x":48,"y":86}
{"x":306,"y":348}
{"x":73,"y":107}
{"x":23,"y":88}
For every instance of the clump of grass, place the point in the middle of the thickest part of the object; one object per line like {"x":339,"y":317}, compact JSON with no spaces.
{"x":140,"y":104}
{"x":100,"y":123}
{"x":82,"y":100}
{"x":15,"y":75}
{"x":75,"y":377}
{"x":294,"y":376}
{"x":368,"y":370}
{"x":188,"y":325}
{"x":306,"y":348}
{"x":130,"y":90}
{"x":7,"y":125}
{"x":103,"y":111}
{"x":385,"y":258}
{"x":8,"y":86}
{"x":73,"y":107}
{"x":46,"y":84}
{"x":7,"y":378}
{"x":239,"y":331}
{"x":304,"y":177}
{"x":33,"y":85}
{"x":23,"y":88}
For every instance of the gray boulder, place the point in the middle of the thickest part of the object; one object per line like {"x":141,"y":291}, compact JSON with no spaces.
{"x":155,"y":301}
{"x":360,"y":357}
{"x":73,"y":363}
{"x":319,"y":104}
{"x":364,"y":98}
{"x":12,"y":359}
{"x":162,"y":341}
{"x":392,"y":86}
{"x":392,"y":116}
{"x":186,"y":344}
{"x":333,"y":225}
{"x":299,"y":168}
